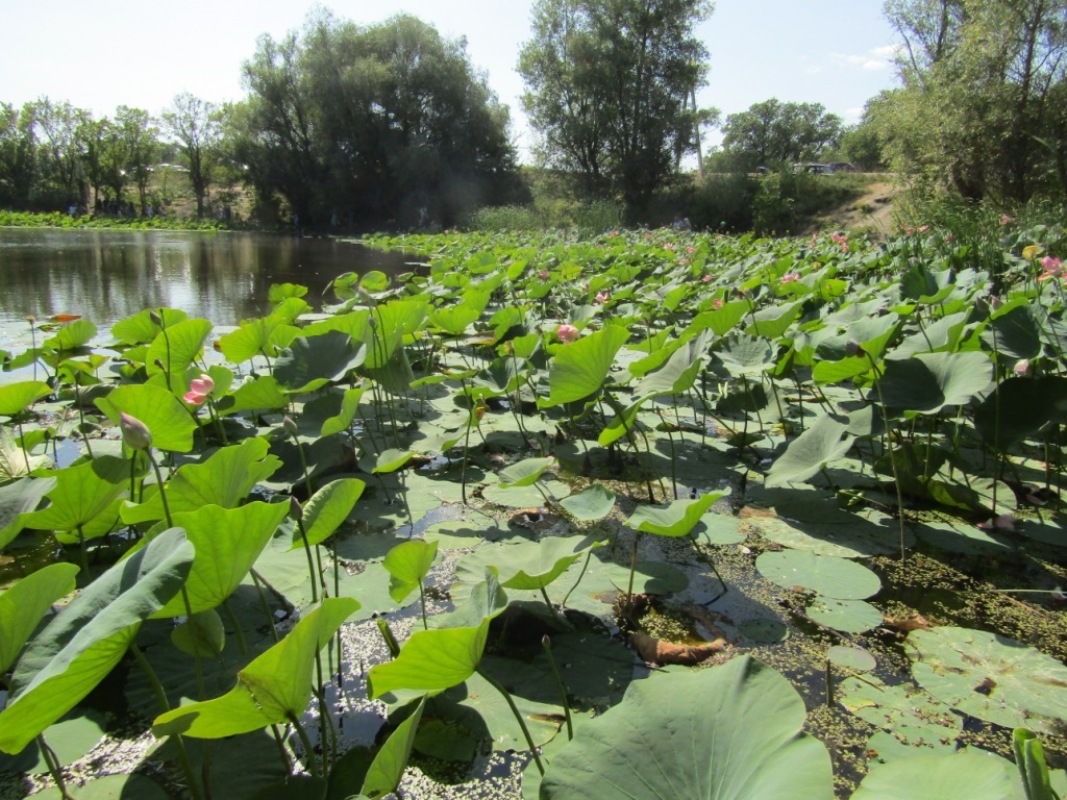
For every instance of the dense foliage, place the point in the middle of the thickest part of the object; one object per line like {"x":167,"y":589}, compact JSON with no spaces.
{"x":773,"y":133}
{"x":841,"y":458}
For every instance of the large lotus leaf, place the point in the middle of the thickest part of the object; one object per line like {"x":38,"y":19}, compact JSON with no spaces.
{"x":327,"y":509}
{"x":23,"y":605}
{"x":825,"y":441}
{"x":389,"y":764}
{"x":85,"y":641}
{"x":71,"y":336}
{"x":677,"y":519}
{"x":17,"y":397}
{"x":228,"y":541}
{"x":929,"y":382}
{"x":524,"y":473}
{"x":342,"y":421}
{"x":408,"y":563}
{"x":262,"y":393}
{"x":141,"y":328}
{"x":431,"y":661}
{"x":959,"y":776}
{"x":1016,"y":333}
{"x":312,"y":361}
{"x":579,"y":369}
{"x":622,"y":423}
{"x":454,"y":320}
{"x":912,"y":716}
{"x":679,"y":374}
{"x":223,"y":479}
{"x":590,"y":505}
{"x":727,"y":733}
{"x":273,"y":688}
{"x":177,"y":347}
{"x":828,"y":576}
{"x":745,"y":355}
{"x":16,"y":499}
{"x":161,"y":412}
{"x":82,"y":493}
{"x":941,"y":335}
{"x":1026,"y":405}
{"x":534,"y":565}
{"x":990,"y":677}
{"x":772,"y":322}
{"x":394,"y":319}
{"x":265,"y":337}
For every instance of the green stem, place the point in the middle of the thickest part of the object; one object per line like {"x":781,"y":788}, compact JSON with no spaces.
{"x":518,"y":717}
{"x":54,"y":768}
{"x":546,"y":643}
{"x":309,"y":751}
{"x":241,"y":643}
{"x":311,"y":564}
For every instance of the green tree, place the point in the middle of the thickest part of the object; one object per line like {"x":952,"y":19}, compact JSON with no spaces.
{"x":773,"y":132}
{"x":196,"y":126}
{"x":374,"y":124}
{"x":981,"y":110}
{"x":608,"y":88}
{"x":18,"y":155}
{"x":61,"y":131}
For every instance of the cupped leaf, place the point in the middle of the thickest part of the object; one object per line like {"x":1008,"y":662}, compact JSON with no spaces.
{"x":590,"y":505}
{"x":431,"y":661}
{"x":524,"y":473}
{"x":89,"y":637}
{"x":161,"y":412}
{"x":389,"y":764}
{"x":23,"y":605}
{"x":176,"y":347}
{"x":82,"y":493}
{"x":310,"y":362}
{"x":327,"y":509}
{"x":72,"y":336}
{"x":17,"y":397}
{"x":273,"y":688}
{"x":677,"y":519}
{"x":825,"y":441}
{"x":16,"y":500}
{"x":929,"y":382}
{"x":228,"y":541}
{"x":828,"y":576}
{"x":732,"y":732}
{"x":534,"y":565}
{"x":265,"y":337}
{"x":408,"y":563}
{"x":579,"y":369}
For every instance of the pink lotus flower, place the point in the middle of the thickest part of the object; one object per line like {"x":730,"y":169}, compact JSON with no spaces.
{"x":567,"y":333}
{"x":706,"y":279}
{"x":1005,"y":219}
{"x":716,"y":303}
{"x":199,"y":389}
{"x":1022,"y":366}
{"x":1052,"y":268}
{"x":543,"y":275}
{"x":790,"y":277}
{"x":601,"y":298}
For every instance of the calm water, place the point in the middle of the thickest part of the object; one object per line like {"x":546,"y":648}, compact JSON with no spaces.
{"x":108,"y":275}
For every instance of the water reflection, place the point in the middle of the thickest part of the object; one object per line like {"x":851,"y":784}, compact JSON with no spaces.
{"x":108,"y":275}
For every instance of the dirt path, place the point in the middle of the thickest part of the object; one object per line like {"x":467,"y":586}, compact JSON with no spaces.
{"x":872,"y":212}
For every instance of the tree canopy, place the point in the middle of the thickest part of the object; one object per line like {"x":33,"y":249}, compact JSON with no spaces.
{"x":382,"y":123}
{"x":773,"y":132}
{"x":983,"y":107}
{"x":608,"y":88}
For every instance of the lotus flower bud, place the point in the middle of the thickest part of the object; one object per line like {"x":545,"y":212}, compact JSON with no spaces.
{"x":296,"y":511}
{"x":155,"y":317}
{"x":854,"y":348}
{"x":289,"y":425}
{"x":135,"y":434}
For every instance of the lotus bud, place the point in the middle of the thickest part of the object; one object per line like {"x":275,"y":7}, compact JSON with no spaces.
{"x":296,"y":511}
{"x":854,"y":348}
{"x":135,"y":434}
{"x":155,"y":317}
{"x":1022,"y":366}
{"x":159,"y":363}
{"x":289,"y":425}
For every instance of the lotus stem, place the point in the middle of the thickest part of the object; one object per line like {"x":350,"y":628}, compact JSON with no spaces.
{"x":305,"y":742}
{"x":241,"y":643}
{"x":387,"y":634}
{"x":518,"y":717}
{"x":546,"y":643}
{"x":54,"y":768}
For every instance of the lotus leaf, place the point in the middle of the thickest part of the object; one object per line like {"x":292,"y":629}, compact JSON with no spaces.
{"x":579,"y":369}
{"x":23,"y":605}
{"x":677,"y":519}
{"x":825,"y":441}
{"x":310,"y":362}
{"x":408,"y":563}
{"x":17,"y":397}
{"x":161,"y":412}
{"x":828,"y":576}
{"x":176,"y":348}
{"x":929,"y":382}
{"x":959,"y":776}
{"x":733,"y":731}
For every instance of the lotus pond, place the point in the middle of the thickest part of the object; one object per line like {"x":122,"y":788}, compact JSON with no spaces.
{"x":649,"y":515}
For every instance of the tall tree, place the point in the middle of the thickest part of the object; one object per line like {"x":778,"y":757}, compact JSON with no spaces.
{"x":383,"y":123}
{"x":18,"y":151}
{"x":981,"y":109}
{"x":196,"y":125}
{"x":773,"y":132}
{"x":607,"y":88}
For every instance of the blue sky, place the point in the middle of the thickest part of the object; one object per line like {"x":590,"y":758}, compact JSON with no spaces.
{"x":102,"y":54}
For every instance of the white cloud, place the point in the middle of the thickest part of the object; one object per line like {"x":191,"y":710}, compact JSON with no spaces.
{"x":874,"y":60}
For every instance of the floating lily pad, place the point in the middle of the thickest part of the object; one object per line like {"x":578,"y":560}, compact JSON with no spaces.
{"x":914,"y":718}
{"x":963,"y":538}
{"x":848,"y":616}
{"x":853,"y":658}
{"x":960,"y":776}
{"x":990,"y":677}
{"x":828,"y":576}
{"x":764,"y":631}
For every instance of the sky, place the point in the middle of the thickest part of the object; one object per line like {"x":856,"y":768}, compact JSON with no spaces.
{"x":101,"y":54}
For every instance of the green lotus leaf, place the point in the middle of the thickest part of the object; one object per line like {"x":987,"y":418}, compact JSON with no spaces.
{"x":161,"y":412}
{"x":1016,"y":333}
{"x":312,"y":361}
{"x":408,"y":563}
{"x":744,"y":355}
{"x":959,"y":776}
{"x":828,"y":576}
{"x":223,"y":479}
{"x":623,"y":422}
{"x":847,"y":616}
{"x":201,"y":636}
{"x":389,"y":764}
{"x":283,"y":291}
{"x":679,"y":374}
{"x":989,"y":676}
{"x":677,"y":519}
{"x":394,"y":319}
{"x":454,"y":320}
{"x":391,"y":460}
{"x":72,"y":336}
{"x":262,"y":393}
{"x":273,"y":688}
{"x":589,"y":505}
{"x":85,"y":641}
{"x":524,"y":473}
{"x":142,"y":329}
{"x":17,"y":397}
{"x":578,"y":370}
{"x":535,"y":565}
{"x":81,"y":495}
{"x":731,"y":732}
{"x":855,"y":659}
{"x":431,"y":661}
{"x":1020,"y":409}
{"x":825,"y":441}
{"x":176,"y":348}
{"x":23,"y":605}
{"x":327,"y":509}
{"x":929,"y":382}
{"x":260,"y":337}
{"x":16,"y":500}
{"x":343,"y":420}
{"x":228,"y":541}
